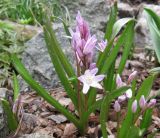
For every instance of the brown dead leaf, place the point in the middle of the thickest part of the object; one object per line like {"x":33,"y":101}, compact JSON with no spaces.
{"x":58,"y":118}
{"x":93,"y":132}
{"x":69,"y":131}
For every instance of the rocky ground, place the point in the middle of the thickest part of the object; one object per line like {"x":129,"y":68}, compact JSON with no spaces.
{"x":36,"y":59}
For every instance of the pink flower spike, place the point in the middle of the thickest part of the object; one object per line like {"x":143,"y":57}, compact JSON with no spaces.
{"x":132,"y":76}
{"x":142,"y":102}
{"x":134,"y":106}
{"x":152,"y":103}
{"x":117,"y":106}
{"x":82,"y":26}
{"x":128,"y":93}
{"x":89,"y":79}
{"x":90,"y":44}
{"x":102,"y":45}
{"x":121,"y":98}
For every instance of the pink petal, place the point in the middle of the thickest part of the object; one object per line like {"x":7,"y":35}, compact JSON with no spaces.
{"x":134,"y":106}
{"x":90,"y":44}
{"x":119,"y":81}
{"x":121,"y":98}
{"x":85,"y":88}
{"x":129,"y":93}
{"x":92,"y":66}
{"x":82,"y":78}
{"x":96,"y":85}
{"x":142,"y":102}
{"x":99,"y":77}
{"x":117,"y":106}
{"x":94,"y":71}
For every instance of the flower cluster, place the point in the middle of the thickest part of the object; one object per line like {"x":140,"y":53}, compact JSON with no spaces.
{"x":128,"y":93}
{"x":143,"y":104}
{"x":84,"y":44}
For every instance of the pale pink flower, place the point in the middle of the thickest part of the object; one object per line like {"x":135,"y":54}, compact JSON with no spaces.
{"x":117,"y":106}
{"x":132,"y":76}
{"x":119,"y":81}
{"x":102,"y":45}
{"x":90,"y":45}
{"x":152,"y":103}
{"x":134,"y":106}
{"x":128,"y":93}
{"x":89,"y":79}
{"x":122,"y":98}
{"x":142,"y":102}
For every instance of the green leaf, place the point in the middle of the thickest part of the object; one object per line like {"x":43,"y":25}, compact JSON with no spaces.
{"x":41,"y":91}
{"x":59,"y":68}
{"x":111,"y":21}
{"x":16,"y":88}
{"x":127,"y":48}
{"x":134,"y":132}
{"x":145,"y":87}
{"x":11,"y":119}
{"x":107,"y":62}
{"x":105,"y":107}
{"x":108,"y":81}
{"x":154,"y":27}
{"x":155,"y":70}
{"x":58,"y":51}
{"x":146,"y":119}
{"x":130,"y":117}
{"x":119,"y":25}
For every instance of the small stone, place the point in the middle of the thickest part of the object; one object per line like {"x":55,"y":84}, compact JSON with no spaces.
{"x":58,"y":118}
{"x":36,"y":135}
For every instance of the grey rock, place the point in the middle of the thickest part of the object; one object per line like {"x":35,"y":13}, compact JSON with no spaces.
{"x":3,"y":124}
{"x":126,"y":10}
{"x":36,"y":58}
{"x":36,"y":135}
{"x":142,"y":36}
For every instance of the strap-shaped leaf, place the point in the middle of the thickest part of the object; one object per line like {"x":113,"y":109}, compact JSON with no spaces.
{"x":11,"y":119}
{"x":41,"y":91}
{"x":16,"y":88}
{"x":59,"y":68}
{"x":126,"y":48}
{"x":111,"y":21}
{"x":119,"y":25}
{"x":155,"y":70}
{"x":107,"y":62}
{"x":154,"y":27}
{"x":58,"y":51}
{"x":146,"y":119}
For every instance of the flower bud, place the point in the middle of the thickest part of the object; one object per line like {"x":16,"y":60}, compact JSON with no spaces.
{"x":134,"y":106}
{"x":142,"y":102}
{"x":117,"y":106}
{"x":152,"y":103}
{"x":128,"y":93}
{"x":132,"y":76}
{"x":119,"y":81}
{"x":121,"y":98}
